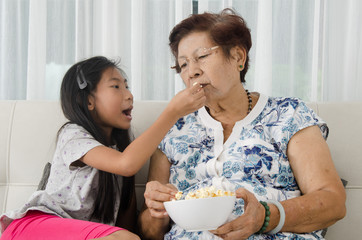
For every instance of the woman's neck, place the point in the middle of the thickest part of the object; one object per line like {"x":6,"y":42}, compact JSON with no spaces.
{"x":231,"y":108}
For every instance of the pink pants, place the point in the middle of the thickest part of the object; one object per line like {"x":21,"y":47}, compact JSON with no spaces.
{"x":38,"y":226}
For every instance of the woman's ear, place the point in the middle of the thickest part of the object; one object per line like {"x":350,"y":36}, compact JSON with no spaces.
{"x":91,"y":102}
{"x":239,"y":55}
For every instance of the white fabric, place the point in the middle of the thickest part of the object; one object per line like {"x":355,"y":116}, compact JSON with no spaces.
{"x":307,"y":49}
{"x":70,"y":191}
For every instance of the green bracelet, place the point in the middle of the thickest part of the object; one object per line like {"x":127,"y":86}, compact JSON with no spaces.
{"x":266,"y":219}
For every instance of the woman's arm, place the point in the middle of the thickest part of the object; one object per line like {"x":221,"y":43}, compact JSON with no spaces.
{"x":129,"y":162}
{"x":153,"y":220}
{"x":323,"y":197}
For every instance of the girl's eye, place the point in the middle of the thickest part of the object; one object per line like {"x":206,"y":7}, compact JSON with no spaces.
{"x":115,"y":86}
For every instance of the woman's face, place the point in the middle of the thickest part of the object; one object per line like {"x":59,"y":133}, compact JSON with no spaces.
{"x":202,"y":61}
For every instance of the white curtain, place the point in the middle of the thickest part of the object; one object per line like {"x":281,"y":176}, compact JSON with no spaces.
{"x":310,"y":49}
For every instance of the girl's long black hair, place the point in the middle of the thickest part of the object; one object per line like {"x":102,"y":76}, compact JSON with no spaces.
{"x":74,"y":103}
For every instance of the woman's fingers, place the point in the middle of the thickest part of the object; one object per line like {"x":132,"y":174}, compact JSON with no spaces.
{"x":162,"y":188}
{"x":155,"y":194}
{"x":158,"y":214}
{"x":248,"y":223}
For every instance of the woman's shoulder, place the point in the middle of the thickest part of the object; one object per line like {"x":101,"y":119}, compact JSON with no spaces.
{"x":186,"y":122}
{"x":285,"y":102}
{"x":286,"y":109}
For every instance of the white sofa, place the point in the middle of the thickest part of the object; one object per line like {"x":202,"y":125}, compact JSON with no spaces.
{"x":28,"y":132}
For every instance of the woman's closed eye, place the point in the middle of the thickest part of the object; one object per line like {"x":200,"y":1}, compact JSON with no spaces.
{"x":203,"y":56}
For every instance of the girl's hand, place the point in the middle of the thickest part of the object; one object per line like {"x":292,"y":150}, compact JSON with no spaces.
{"x":188,"y":100}
{"x":157,"y":193}
{"x":248,"y":223}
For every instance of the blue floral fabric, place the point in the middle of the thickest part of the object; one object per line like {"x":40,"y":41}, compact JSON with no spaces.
{"x":253,"y":157}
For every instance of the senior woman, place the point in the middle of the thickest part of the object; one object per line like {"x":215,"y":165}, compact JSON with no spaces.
{"x":271,"y":151}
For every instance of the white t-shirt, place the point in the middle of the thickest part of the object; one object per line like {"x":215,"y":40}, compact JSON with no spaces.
{"x":71,"y":191}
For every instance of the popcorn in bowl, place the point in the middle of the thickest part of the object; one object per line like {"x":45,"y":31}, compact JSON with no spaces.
{"x":205,"y":192}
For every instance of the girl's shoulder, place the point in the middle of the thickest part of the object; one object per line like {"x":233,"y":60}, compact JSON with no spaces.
{"x":73,"y":143}
{"x":72,"y":128}
{"x":73,"y":131}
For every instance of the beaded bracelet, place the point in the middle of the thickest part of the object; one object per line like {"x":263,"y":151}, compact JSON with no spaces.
{"x":266,"y":219}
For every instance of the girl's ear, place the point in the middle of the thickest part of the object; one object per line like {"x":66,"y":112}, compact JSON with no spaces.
{"x":91,"y":102}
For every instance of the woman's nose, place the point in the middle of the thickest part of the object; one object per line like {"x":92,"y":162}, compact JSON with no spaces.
{"x":194,"y":70}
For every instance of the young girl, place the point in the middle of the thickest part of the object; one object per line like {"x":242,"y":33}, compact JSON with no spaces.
{"x":91,"y":185}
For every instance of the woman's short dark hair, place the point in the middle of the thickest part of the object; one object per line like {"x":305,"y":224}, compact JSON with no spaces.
{"x":74,"y":102}
{"x":227,"y":29}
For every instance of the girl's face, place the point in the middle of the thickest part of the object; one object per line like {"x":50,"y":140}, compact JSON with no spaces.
{"x":111,"y":102}
{"x":201,"y":60}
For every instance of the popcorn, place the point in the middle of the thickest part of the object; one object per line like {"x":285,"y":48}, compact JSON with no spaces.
{"x":205,"y":192}
{"x":178,"y":195}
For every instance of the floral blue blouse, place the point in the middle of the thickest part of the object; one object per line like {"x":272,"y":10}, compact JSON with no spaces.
{"x":253,"y":157}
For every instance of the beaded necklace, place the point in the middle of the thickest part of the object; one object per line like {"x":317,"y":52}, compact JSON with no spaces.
{"x":250,"y":100}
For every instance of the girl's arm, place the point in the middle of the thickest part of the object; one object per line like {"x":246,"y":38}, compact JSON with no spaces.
{"x":128,"y":162}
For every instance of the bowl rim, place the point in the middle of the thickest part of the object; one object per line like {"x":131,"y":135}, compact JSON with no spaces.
{"x":193,"y":199}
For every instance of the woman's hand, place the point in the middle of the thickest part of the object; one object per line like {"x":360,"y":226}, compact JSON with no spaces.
{"x":248,"y":223}
{"x":153,"y":219}
{"x":155,"y":195}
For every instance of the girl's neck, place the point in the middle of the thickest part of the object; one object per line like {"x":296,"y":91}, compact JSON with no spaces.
{"x":107,"y":132}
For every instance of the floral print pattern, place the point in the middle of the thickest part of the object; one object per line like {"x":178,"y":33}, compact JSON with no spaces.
{"x":253,"y":157}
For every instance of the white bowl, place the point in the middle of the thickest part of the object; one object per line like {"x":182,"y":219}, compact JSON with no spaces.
{"x":200,"y":214}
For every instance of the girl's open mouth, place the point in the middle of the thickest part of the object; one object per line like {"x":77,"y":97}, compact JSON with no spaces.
{"x":128,"y":113}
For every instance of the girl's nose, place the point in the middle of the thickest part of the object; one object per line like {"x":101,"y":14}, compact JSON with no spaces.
{"x":129,"y":95}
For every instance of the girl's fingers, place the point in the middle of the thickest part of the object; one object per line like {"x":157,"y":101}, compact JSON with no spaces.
{"x":198,"y":94}
{"x":195,"y":88}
